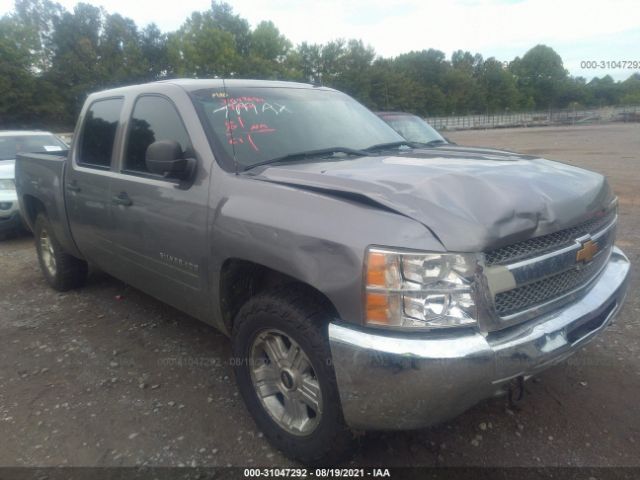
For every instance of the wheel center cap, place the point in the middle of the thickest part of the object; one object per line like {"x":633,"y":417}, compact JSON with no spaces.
{"x":287,"y":379}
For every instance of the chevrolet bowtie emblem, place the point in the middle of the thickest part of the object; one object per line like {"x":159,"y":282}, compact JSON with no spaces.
{"x":587,"y":252}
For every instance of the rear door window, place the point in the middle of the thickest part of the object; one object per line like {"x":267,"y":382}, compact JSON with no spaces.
{"x":99,"y":132}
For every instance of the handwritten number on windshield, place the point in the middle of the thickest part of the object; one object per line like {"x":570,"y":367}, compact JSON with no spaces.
{"x":241,"y":131}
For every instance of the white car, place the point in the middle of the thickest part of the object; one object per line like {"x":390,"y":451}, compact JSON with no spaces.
{"x":13,"y":142}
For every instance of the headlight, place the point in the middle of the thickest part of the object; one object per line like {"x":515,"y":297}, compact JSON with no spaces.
{"x":7,"y":184}
{"x":419,"y":290}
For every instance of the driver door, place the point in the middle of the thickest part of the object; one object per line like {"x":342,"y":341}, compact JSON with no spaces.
{"x":161,"y":224}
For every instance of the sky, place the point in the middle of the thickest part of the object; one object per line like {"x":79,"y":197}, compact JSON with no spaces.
{"x":579,"y":30}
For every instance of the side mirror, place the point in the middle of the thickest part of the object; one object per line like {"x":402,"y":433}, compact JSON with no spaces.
{"x":165,"y":158}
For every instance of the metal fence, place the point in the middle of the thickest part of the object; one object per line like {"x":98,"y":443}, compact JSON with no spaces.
{"x":629,"y":113}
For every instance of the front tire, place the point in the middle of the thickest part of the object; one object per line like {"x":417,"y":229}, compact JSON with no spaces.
{"x":61,"y":270}
{"x":282,"y":364}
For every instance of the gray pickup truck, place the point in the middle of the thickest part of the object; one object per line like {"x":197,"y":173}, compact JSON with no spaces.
{"x":365,"y":284}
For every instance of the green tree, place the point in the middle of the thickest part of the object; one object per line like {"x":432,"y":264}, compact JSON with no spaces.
{"x":38,"y":17}
{"x":353,"y":70}
{"x":51,"y":58}
{"x":463,"y":61}
{"x":427,"y":66}
{"x":153,"y":45}
{"x":631,"y":90}
{"x":120,"y":51}
{"x":573,"y":93}
{"x":394,"y":90}
{"x":429,"y":69}
{"x":604,"y":91}
{"x":76,"y":68}
{"x":201,"y":49}
{"x":267,"y":53}
{"x":233,"y":24}
{"x":498,"y":86}
{"x":341,"y":64}
{"x":268,"y":43}
{"x":307,"y":61}
{"x":460,"y":84}
{"x":540,"y":75}
{"x":16,"y":75}
{"x":321,"y":63}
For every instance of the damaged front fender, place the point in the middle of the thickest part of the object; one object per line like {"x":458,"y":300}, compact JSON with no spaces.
{"x":317,"y":239}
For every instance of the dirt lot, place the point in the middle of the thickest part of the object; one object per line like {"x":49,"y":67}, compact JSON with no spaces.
{"x":109,"y":376}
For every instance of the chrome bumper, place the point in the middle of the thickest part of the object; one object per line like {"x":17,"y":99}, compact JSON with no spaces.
{"x":389,"y":382}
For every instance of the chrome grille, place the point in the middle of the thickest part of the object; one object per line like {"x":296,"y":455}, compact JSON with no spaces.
{"x":548,"y":289}
{"x":545,"y":273}
{"x":546,"y":243}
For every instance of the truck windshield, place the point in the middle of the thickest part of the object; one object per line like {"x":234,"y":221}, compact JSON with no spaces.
{"x":11,"y":145}
{"x":256,"y":125}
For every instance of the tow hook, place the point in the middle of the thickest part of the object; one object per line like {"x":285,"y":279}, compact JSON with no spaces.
{"x":516,"y":391}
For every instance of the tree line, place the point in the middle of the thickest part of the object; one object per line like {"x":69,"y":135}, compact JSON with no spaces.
{"x":51,"y":58}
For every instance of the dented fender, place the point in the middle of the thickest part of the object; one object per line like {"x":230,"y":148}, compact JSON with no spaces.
{"x":313,"y":237}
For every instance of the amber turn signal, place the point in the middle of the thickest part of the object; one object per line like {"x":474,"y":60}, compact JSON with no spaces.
{"x":377,"y":308}
{"x":376,"y":269}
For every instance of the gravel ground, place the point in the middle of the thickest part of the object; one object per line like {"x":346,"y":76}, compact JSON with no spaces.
{"x":109,"y":376}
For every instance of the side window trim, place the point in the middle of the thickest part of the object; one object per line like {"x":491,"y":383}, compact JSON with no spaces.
{"x":137,"y":173}
{"x":77,"y":156}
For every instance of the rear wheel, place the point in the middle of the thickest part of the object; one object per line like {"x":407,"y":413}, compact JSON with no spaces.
{"x":61,"y":270}
{"x":282,"y":364}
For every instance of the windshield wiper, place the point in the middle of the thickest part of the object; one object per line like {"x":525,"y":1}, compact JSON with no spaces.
{"x":309,"y":154}
{"x":385,"y":146}
{"x":431,"y":143}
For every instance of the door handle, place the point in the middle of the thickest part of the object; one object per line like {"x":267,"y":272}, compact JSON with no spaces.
{"x":73,"y":186}
{"x":122,"y":199}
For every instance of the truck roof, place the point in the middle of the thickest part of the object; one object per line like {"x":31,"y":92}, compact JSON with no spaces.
{"x":191,"y":84}
{"x":15,"y":133}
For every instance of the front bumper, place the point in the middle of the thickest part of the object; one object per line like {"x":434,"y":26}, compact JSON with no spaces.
{"x":389,"y":382}
{"x":11,"y":222}
{"x":10,"y":219}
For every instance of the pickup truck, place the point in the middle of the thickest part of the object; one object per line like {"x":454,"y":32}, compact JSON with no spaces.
{"x":365,"y":284}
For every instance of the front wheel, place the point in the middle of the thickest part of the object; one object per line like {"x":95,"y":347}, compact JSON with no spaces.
{"x":283,"y":368}
{"x":61,"y":270}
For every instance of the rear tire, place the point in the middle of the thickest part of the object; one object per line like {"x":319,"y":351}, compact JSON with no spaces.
{"x":61,"y":270}
{"x":303,"y":418}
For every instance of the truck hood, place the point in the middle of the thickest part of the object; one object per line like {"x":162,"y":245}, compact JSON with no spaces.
{"x":7,"y":169}
{"x":472,"y":199}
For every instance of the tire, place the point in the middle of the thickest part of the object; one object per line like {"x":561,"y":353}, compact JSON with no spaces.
{"x":61,"y":270}
{"x":294,"y":312}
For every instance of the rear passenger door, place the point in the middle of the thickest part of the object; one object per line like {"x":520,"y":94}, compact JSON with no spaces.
{"x":161,"y":224}
{"x":87,"y":180}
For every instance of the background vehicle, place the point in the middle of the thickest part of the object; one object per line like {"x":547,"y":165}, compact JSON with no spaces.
{"x":11,"y":144}
{"x":412,"y":128}
{"x":365,"y":284}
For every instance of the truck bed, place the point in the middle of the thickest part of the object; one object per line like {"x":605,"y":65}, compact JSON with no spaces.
{"x":40,"y":181}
